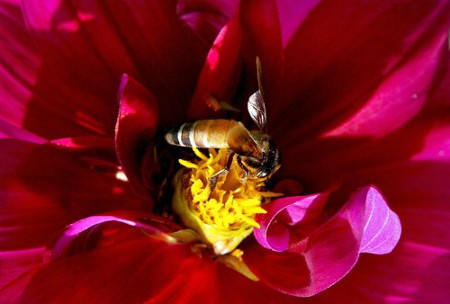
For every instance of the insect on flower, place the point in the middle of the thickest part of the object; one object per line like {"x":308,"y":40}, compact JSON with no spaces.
{"x":254,"y":151}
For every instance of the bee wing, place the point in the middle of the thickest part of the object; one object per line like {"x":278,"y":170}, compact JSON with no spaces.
{"x":242,"y":142}
{"x":257,"y":110}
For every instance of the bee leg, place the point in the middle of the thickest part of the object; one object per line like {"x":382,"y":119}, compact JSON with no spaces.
{"x":245,"y":175}
{"x":214,"y":177}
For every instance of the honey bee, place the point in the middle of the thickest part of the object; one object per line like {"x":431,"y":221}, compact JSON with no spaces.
{"x":255,"y":152}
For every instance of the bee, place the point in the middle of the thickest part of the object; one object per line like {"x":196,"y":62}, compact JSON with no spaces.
{"x":255,"y":152}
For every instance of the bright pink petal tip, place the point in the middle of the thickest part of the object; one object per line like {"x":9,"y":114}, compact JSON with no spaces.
{"x":382,"y":228}
{"x":151,"y":224}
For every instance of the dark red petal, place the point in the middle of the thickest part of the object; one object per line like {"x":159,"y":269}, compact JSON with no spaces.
{"x":341,"y":61}
{"x":262,"y":38}
{"x":135,"y":130}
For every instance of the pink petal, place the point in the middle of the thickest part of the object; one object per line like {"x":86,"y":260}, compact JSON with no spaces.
{"x":330,"y":251}
{"x":135,"y":129}
{"x":274,"y":232}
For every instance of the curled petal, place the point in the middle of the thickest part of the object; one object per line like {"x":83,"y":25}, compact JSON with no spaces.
{"x":274,"y":232}
{"x":327,"y":253}
{"x":135,"y":127}
{"x":418,"y":270}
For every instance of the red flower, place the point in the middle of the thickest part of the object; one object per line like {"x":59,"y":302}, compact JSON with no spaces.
{"x":356,"y":97}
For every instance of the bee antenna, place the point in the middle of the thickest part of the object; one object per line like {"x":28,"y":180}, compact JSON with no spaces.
{"x":259,"y":75}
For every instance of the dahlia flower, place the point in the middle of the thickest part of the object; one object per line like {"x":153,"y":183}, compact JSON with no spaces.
{"x":97,"y":207}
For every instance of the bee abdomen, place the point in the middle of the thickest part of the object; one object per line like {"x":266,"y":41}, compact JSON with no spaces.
{"x":201,"y":134}
{"x":183,"y":136}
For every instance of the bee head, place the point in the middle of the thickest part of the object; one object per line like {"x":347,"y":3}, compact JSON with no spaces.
{"x":271,"y":159}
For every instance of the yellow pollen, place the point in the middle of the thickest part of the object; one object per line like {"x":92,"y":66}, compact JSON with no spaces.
{"x":223,"y":215}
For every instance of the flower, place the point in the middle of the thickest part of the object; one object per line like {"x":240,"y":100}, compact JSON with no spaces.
{"x":348,"y":106}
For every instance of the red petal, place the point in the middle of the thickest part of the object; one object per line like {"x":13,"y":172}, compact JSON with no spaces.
{"x":220,"y":74}
{"x":95,"y":44}
{"x":132,"y":267}
{"x":43,"y":189}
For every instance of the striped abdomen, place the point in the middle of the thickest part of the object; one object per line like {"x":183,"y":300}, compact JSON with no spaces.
{"x":202,"y":134}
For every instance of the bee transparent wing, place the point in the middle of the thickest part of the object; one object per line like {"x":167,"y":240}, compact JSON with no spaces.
{"x":257,"y":110}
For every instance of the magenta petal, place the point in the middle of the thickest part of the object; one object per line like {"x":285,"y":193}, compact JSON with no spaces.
{"x":19,"y":63}
{"x":8,"y":130}
{"x":330,"y":251}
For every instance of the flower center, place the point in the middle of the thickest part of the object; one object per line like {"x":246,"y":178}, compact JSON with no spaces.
{"x":223,"y":215}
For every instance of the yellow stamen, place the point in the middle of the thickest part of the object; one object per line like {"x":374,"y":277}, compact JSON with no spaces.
{"x":224,"y":215}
